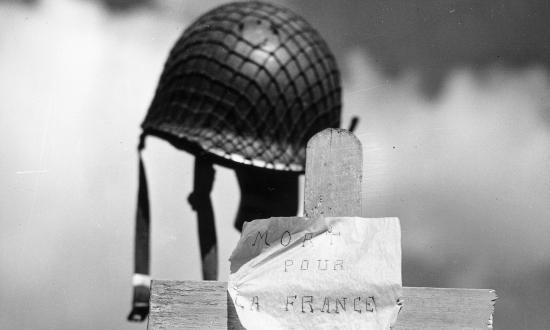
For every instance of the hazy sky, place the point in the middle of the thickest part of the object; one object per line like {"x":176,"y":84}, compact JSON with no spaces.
{"x":454,"y":103}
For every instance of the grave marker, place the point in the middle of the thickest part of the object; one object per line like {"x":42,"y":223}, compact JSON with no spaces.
{"x":332,"y":188}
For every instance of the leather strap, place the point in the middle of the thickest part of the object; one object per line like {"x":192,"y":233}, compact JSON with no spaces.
{"x":200,"y":201}
{"x":140,"y":302}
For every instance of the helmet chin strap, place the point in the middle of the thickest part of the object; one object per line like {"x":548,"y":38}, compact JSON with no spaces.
{"x":201,"y":203}
{"x":141,"y":281}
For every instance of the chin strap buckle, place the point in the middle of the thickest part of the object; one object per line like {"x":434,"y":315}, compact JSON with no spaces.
{"x":140,"y":302}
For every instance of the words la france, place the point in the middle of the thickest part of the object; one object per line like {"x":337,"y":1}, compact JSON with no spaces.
{"x":311,"y":304}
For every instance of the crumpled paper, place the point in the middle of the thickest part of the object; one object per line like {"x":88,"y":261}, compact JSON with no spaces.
{"x":325,"y":273}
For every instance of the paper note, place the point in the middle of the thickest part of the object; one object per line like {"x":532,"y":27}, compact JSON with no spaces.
{"x":325,"y":273}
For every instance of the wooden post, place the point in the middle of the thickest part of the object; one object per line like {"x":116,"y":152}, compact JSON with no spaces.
{"x":332,"y":188}
{"x":334,"y":172}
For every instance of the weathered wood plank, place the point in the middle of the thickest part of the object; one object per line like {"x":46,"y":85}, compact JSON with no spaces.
{"x":332,"y":188}
{"x":334,"y":171}
{"x":442,"y":308}
{"x":206,"y":305}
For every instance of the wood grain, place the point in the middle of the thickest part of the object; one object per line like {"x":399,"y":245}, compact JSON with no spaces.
{"x":334,"y":170}
{"x":332,"y":188}
{"x":206,"y":305}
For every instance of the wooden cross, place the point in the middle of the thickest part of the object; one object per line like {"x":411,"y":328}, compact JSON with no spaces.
{"x":332,"y":188}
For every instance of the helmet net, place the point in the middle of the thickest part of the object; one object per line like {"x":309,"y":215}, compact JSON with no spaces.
{"x":248,"y":81}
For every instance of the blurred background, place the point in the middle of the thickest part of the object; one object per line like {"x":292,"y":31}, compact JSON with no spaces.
{"x":454,"y":100}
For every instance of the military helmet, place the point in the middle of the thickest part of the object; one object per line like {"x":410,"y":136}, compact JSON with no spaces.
{"x":250,"y":82}
{"x":247,"y":83}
